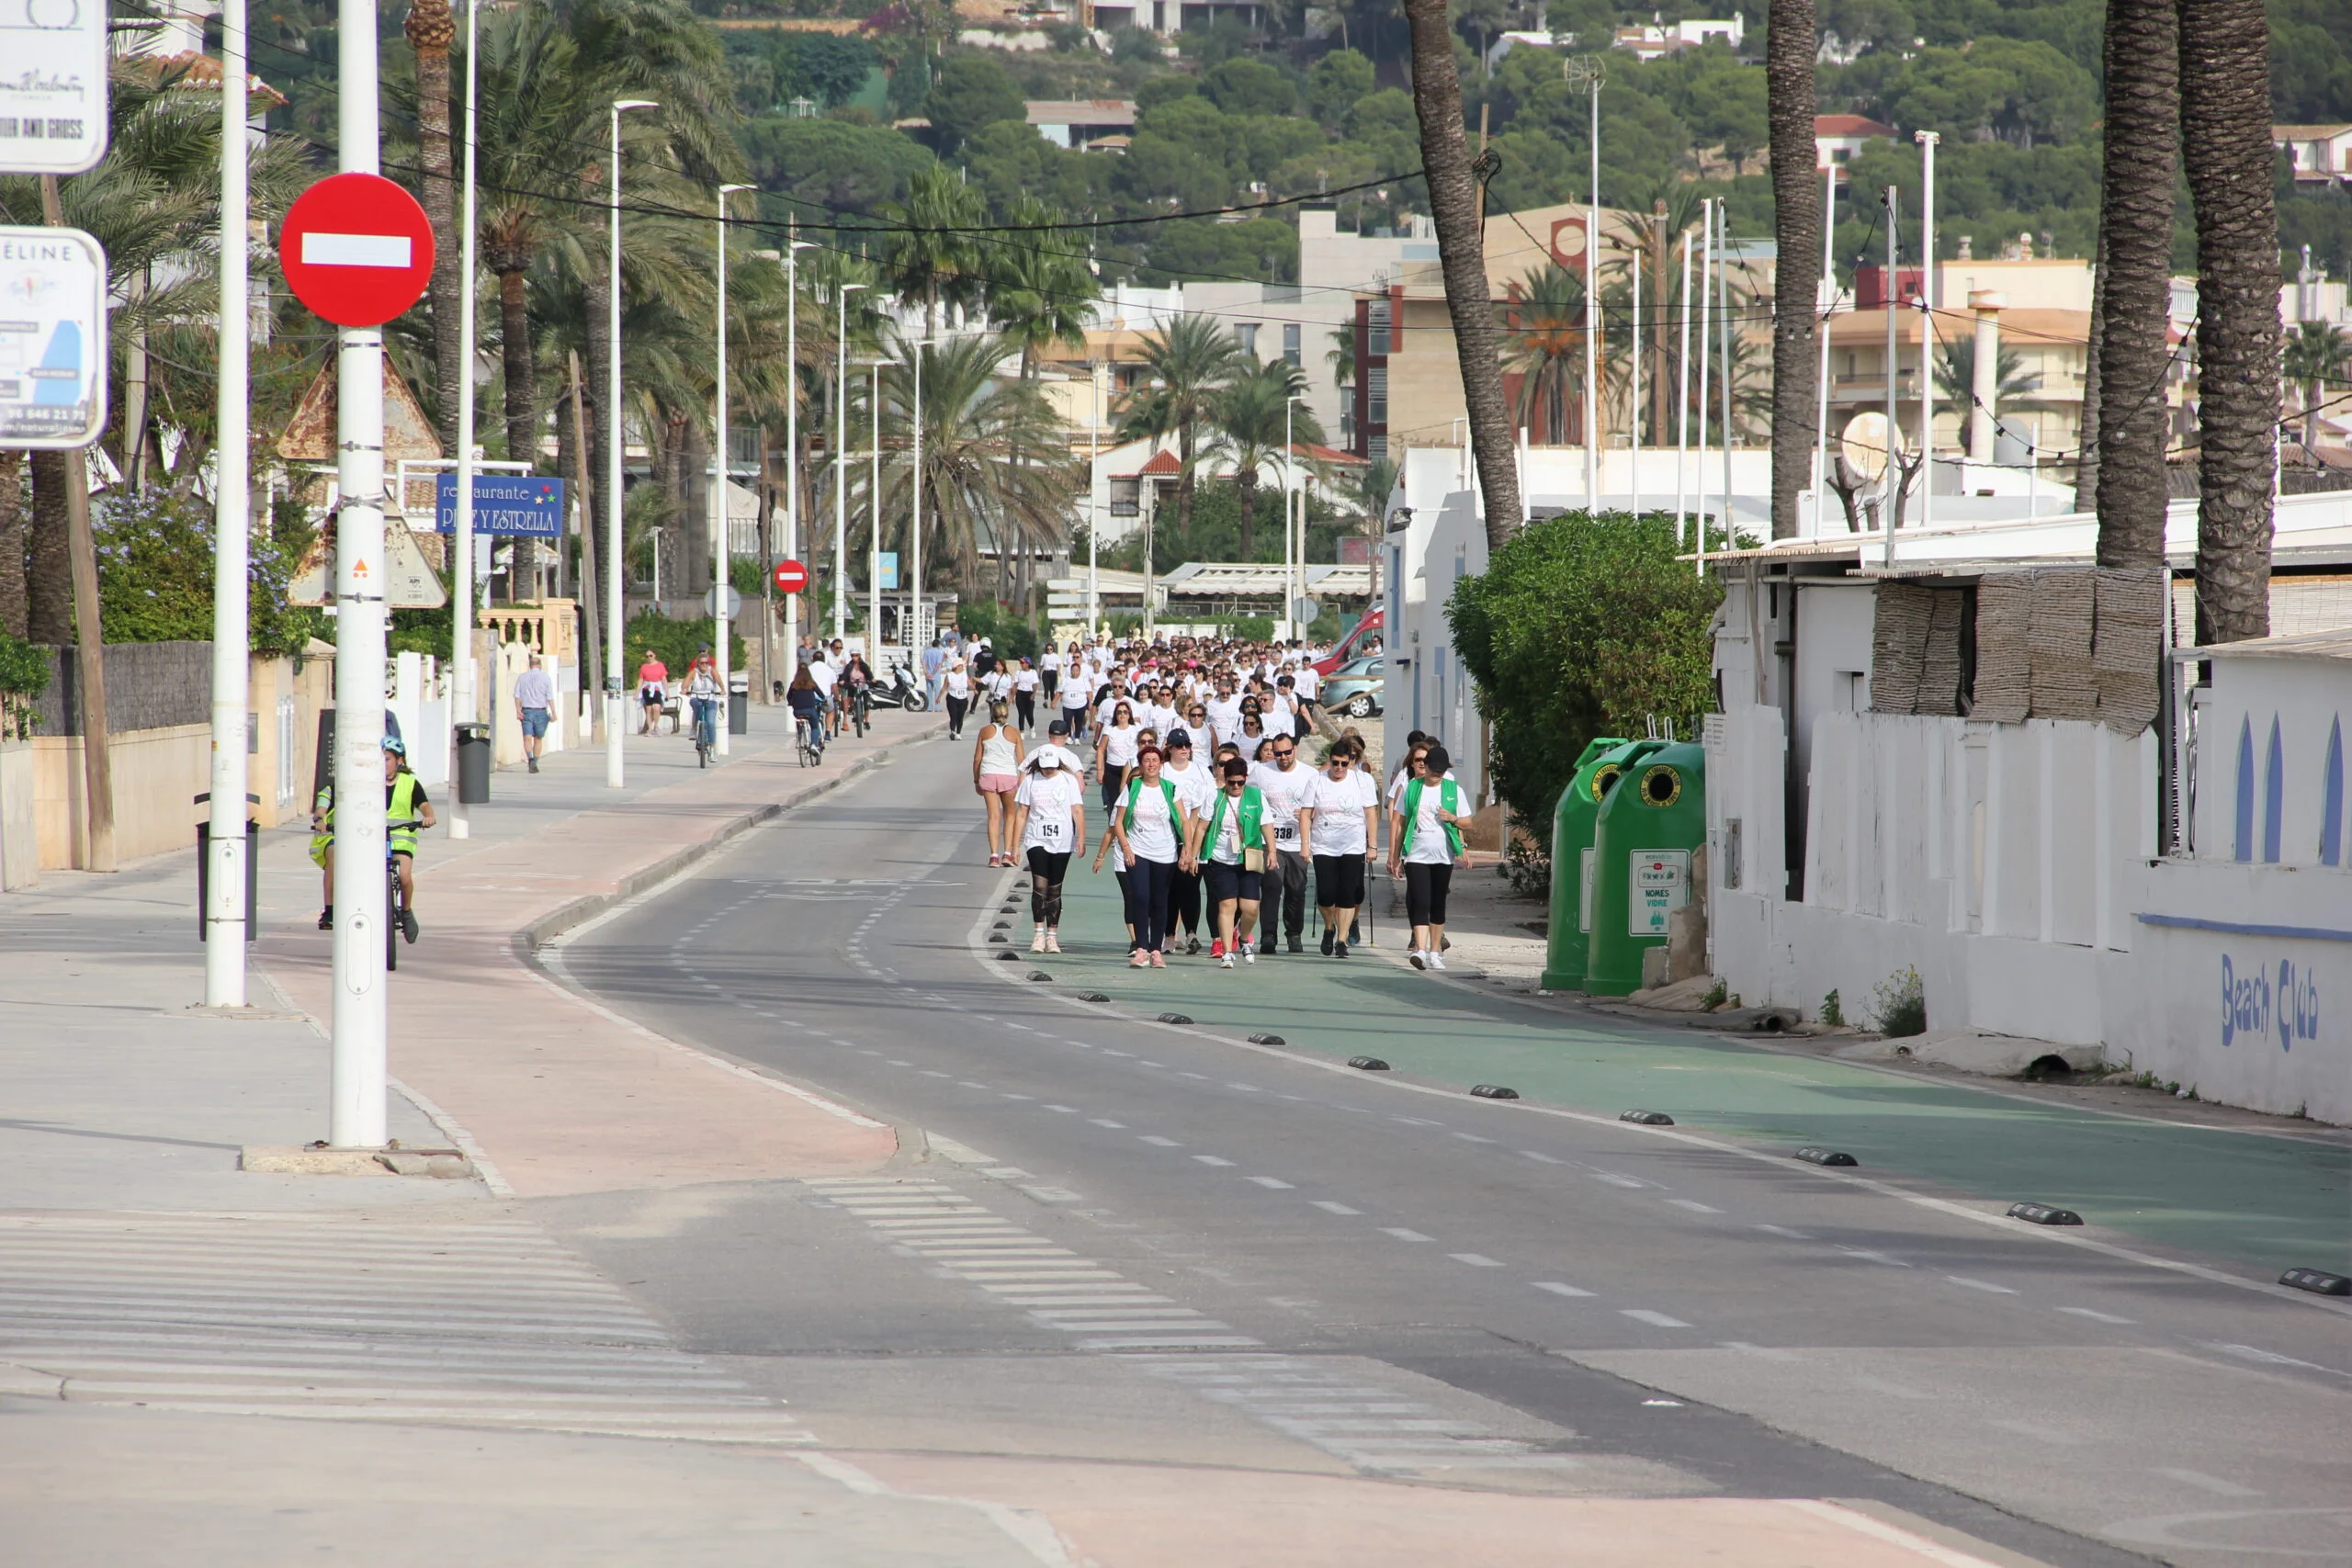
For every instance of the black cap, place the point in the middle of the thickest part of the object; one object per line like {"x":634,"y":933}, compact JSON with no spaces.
{"x":1060,"y":726}
{"x":1179,"y":737}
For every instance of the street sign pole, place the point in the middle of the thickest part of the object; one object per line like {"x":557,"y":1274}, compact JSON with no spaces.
{"x":224,"y":919}
{"x":355,"y":1102}
{"x":463,"y":702}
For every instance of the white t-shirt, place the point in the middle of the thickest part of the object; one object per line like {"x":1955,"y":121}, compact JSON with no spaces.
{"x":1075,"y":695}
{"x":822,"y":674}
{"x":999,"y":682}
{"x":1279,"y":720}
{"x":1224,"y":716}
{"x":1226,"y":849}
{"x":1153,"y":837}
{"x":958,"y":684}
{"x":1160,"y":715}
{"x":1194,"y":786}
{"x":1119,"y":746}
{"x":1049,"y":800}
{"x":1026,"y":680}
{"x":1338,"y":804}
{"x":1049,"y":659}
{"x":1307,"y":682}
{"x":1430,"y":844}
{"x":1283,"y":792}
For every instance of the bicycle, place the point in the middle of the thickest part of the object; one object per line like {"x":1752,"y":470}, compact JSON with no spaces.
{"x":860,"y":701}
{"x":811,"y":749}
{"x":396,"y":910}
{"x":705,"y":730}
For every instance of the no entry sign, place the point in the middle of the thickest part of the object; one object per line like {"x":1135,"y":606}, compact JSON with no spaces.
{"x":356,"y":249}
{"x":791,"y":577}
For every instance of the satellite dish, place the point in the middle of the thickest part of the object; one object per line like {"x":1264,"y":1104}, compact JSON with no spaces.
{"x":1864,"y":443}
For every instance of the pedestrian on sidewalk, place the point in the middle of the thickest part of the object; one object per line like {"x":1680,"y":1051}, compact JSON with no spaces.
{"x":996,"y":774}
{"x":958,"y":687}
{"x":534,"y":701}
{"x":1025,"y":682}
{"x":1228,"y":849}
{"x":1049,"y":824}
{"x":934,"y":665}
{"x":1339,"y":817}
{"x":1049,"y":671}
{"x":652,"y":691}
{"x":1149,"y":833}
{"x":1283,"y":783}
{"x":1425,"y":842}
{"x":1115,"y":750}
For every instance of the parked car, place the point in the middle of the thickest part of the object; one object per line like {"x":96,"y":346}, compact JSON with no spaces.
{"x":1355,"y":688}
{"x":1361,"y":641}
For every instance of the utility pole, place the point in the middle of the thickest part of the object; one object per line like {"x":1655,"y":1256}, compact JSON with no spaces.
{"x":463,"y":702}
{"x":355,"y":1102}
{"x":723,"y":634}
{"x":792,"y":448}
{"x":1707,"y":261}
{"x":840,"y":460}
{"x":1828,"y":303}
{"x":1927,"y":303}
{"x":224,"y":916}
{"x":1894,"y":477}
{"x":1682,"y":405}
{"x":616,"y":629}
{"x":1586,"y":70}
{"x":914,"y":636}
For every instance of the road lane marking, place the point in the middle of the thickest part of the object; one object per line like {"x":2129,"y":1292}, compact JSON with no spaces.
{"x":2096,"y":1316}
{"x":1654,"y":1319}
{"x":1785,"y":1231}
{"x":1273,"y":1183}
{"x":1558,"y":1289}
{"x":1476,"y":1259}
{"x":1212,"y":1159}
{"x":1986,"y":1285}
{"x":2204,"y":1482}
{"x":1541,"y":1157}
{"x":1694,"y":1205}
{"x":1106,"y":1122}
{"x":1328,"y":1207}
{"x":1867,"y":1255}
{"x":1401,"y":1234}
{"x":1158,"y":1142}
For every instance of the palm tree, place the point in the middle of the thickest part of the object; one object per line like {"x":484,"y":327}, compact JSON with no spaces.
{"x":1791,"y":46}
{"x":2141,"y":154}
{"x":2316,"y":355}
{"x":2225,"y":121}
{"x":1454,"y":208}
{"x":1543,"y":339}
{"x":1189,"y":358}
{"x":1253,"y":415}
{"x":1342,"y":355}
{"x":931,"y":256}
{"x":431,"y":28}
{"x":1037,"y":287}
{"x":993,"y":472}
{"x":2013,"y":387}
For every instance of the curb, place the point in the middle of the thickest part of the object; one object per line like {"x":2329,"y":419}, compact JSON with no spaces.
{"x":587,"y":906}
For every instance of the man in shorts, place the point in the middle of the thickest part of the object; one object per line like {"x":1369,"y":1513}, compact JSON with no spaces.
{"x":533,"y":705}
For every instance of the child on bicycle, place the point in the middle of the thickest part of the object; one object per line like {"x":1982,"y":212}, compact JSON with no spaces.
{"x":404,"y":800}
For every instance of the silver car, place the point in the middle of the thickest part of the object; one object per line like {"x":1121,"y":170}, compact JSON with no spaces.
{"x":1353,"y":689}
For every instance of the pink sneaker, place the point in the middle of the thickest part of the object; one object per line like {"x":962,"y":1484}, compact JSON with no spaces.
{"x":1216,"y":949}
{"x":1158,"y":961}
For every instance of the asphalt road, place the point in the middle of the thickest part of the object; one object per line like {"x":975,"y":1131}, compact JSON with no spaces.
{"x":1114,"y":1238}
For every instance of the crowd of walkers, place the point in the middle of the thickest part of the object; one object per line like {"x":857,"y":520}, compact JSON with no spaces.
{"x":1221,"y":807}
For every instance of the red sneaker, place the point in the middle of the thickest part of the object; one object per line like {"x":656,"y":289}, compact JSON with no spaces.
{"x":1216,"y":948}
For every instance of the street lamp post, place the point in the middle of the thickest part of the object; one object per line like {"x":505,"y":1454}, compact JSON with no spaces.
{"x":613,"y":624}
{"x":1587,"y":71}
{"x":723,"y":634}
{"x":874,"y":518}
{"x":1294,"y":553}
{"x":1829,"y":308}
{"x":224,"y":918}
{"x":462,"y":699}
{"x":914,"y":530}
{"x":1706,"y":315}
{"x":792,"y":448}
{"x":841,"y":459}
{"x":1682,"y":403}
{"x":1926,"y":140}
{"x":1094,"y":515}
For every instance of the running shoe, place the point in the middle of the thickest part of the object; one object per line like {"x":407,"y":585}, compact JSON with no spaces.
{"x":1294,"y":943}
{"x":1415,"y":959}
{"x":1249,"y":954}
{"x":1135,"y":960}
{"x":1225,"y":961}
{"x":1192,"y":944}
{"x":326,"y":920}
{"x":1437,"y":960}
{"x":1053,"y":942}
{"x":1339,"y":949}
{"x":1329,"y":936}
{"x":1160,"y":961}
{"x":408,"y":925}
{"x":1217,"y":950}
{"x":1038,"y":942}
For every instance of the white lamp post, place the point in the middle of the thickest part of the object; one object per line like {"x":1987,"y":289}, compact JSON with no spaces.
{"x":1829,"y":308}
{"x":224,"y":916}
{"x":1294,"y":543}
{"x":841,"y":459}
{"x":874,"y":518}
{"x":913,"y":633}
{"x":723,"y":634}
{"x":613,"y":625}
{"x":792,"y":448}
{"x":461,"y":534}
{"x":1926,"y":140}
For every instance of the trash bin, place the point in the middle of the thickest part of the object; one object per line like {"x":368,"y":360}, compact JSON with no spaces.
{"x":1572,"y":823}
{"x":1644,"y":839}
{"x":739,"y":703}
{"x":204,"y":878}
{"x":473,"y":764}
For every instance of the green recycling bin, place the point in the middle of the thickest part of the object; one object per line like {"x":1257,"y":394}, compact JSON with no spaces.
{"x":1571,"y":845}
{"x":1643,"y":837}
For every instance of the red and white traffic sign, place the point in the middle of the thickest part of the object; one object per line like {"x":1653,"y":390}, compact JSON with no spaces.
{"x":791,"y":577}
{"x":356,"y":249}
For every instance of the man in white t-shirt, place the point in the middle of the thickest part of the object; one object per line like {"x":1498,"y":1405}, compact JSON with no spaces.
{"x":823,"y":671}
{"x":1306,"y":684}
{"x":1283,"y":783}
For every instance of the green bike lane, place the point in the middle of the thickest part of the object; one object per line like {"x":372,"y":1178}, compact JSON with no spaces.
{"x":2255,"y":1202}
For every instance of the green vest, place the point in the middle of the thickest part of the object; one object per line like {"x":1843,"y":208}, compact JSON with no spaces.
{"x":401,"y":802}
{"x":1450,"y":796}
{"x":1135,"y":787}
{"x":1253,"y":811}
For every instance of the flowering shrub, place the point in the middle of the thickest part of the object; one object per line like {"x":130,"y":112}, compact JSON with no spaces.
{"x":154,"y":554}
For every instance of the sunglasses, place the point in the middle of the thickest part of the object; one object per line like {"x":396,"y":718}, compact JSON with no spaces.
{"x":1292,"y":753}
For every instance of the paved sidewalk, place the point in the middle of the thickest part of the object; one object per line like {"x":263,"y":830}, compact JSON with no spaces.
{"x":2260,"y":1201}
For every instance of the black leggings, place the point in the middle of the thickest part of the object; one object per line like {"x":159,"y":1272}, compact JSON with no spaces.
{"x":1113,"y":778}
{"x":1425,"y":888}
{"x":1024,"y":708}
{"x":956,"y":707}
{"x":1051,"y":679}
{"x":1184,"y":902}
{"x":1148,"y":892}
{"x":1046,"y":870}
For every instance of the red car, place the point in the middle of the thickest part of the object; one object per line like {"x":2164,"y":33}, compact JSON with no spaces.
{"x":1365,"y":639}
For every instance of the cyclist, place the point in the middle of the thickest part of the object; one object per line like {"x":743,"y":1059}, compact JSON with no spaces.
{"x":404,"y":799}
{"x":807,"y":703}
{"x":703,"y":692}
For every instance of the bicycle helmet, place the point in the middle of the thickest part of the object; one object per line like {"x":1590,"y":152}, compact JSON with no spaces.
{"x":395,"y":745}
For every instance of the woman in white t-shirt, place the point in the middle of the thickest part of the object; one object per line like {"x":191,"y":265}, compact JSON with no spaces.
{"x":1150,"y":829}
{"x":1195,"y":786}
{"x":1425,"y":844}
{"x":1025,"y":682}
{"x":1078,"y":696}
{"x":1336,"y":816}
{"x":1229,"y":851}
{"x":1049,"y":671}
{"x":1114,"y":749}
{"x":957,"y":687}
{"x":1049,"y":825}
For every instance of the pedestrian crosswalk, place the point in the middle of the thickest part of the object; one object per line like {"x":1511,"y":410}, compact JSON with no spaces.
{"x":456,"y":1322}
{"x":1378,"y":1430}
